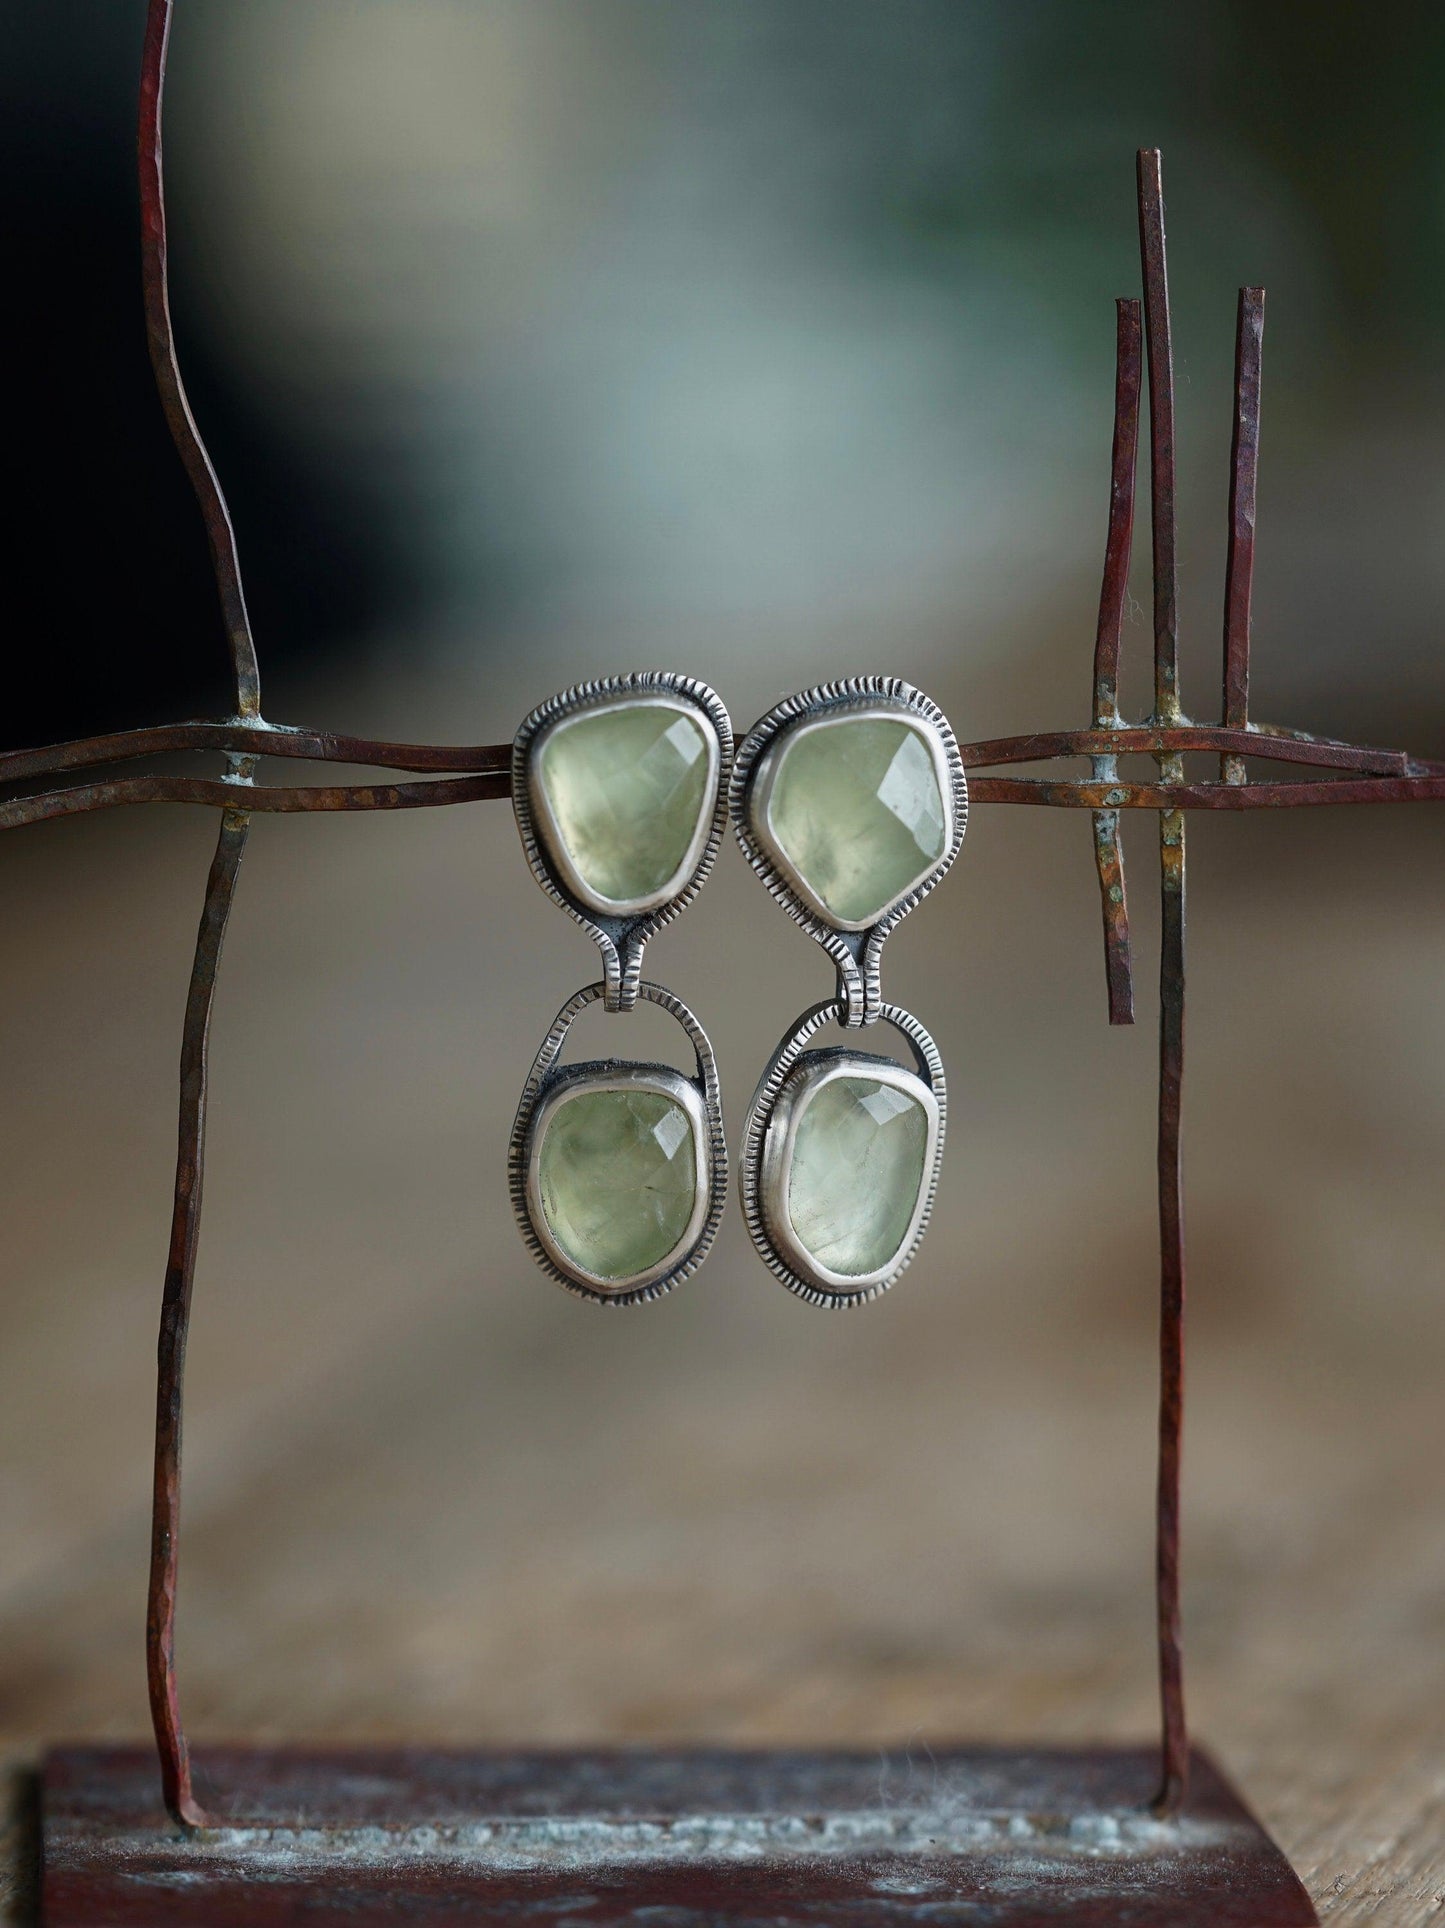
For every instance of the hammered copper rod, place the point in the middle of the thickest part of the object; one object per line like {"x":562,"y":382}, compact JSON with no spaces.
{"x":1243,"y":478}
{"x":491,"y":763}
{"x":175,"y":1321}
{"x":1426,"y":783}
{"x":1108,"y":643}
{"x":160,"y":337}
{"x":1174,"y":1769}
{"x":252,"y":736}
{"x":220,"y":889}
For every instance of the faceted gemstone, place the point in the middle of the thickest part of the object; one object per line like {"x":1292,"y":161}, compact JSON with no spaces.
{"x":618,"y":1178}
{"x":857,"y":1169}
{"x":856,"y":811}
{"x":625,"y":787}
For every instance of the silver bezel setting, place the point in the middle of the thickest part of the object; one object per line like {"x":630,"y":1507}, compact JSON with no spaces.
{"x":854,"y":948}
{"x":550,"y":831}
{"x":610,"y":1076}
{"x":767,"y":1142}
{"x":620,"y":930}
{"x":770,"y":763}
{"x":548,"y":1086}
{"x":813,"y":1072}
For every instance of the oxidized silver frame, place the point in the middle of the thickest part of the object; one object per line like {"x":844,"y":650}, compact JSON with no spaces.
{"x":622,"y":931}
{"x":548,"y":1086}
{"x":855,"y":949}
{"x":766,"y":1153}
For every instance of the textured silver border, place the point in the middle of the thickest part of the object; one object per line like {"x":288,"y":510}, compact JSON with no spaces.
{"x":809,"y":1281}
{"x":855,"y":951}
{"x":545,"y":1076}
{"x":610,"y":1076}
{"x":810,"y":1075}
{"x":620,"y":935}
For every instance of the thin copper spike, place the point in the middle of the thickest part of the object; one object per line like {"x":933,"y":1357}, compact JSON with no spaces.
{"x":160,"y":337}
{"x":1243,"y":475}
{"x":1108,"y":643}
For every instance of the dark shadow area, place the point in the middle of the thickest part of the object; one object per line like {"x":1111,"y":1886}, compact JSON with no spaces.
{"x":111,"y":605}
{"x":20,"y":1841}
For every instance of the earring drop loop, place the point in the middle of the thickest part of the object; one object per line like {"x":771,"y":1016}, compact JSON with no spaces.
{"x":618,"y":1170}
{"x":850,"y":802}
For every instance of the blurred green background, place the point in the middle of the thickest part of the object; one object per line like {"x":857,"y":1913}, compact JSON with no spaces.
{"x":645,"y":330}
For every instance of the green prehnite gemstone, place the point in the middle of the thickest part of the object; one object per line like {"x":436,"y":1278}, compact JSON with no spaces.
{"x":857,"y":811}
{"x":626,"y":787}
{"x":857,"y":1169}
{"x":618,"y":1177}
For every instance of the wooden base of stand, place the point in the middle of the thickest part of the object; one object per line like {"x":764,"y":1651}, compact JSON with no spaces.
{"x":656,"y":1840}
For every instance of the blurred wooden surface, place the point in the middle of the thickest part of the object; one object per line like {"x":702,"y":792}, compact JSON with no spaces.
{"x":430,"y":1497}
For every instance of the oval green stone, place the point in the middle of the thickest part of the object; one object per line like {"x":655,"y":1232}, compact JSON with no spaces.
{"x":857,"y":1170}
{"x":624,"y":789}
{"x":617,"y":1172}
{"x":856,"y":811}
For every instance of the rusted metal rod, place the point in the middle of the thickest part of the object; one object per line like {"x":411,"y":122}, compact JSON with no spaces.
{"x":1281,"y":746}
{"x":1427,"y":783}
{"x":1243,"y":477}
{"x":175,"y":1321}
{"x":1174,"y":1766}
{"x":160,"y":337}
{"x":1108,"y":643}
{"x":1039,"y":746}
{"x":219,"y":791}
{"x":220,"y":888}
{"x":1160,"y":352}
{"x":254,"y":738}
{"x":1174,"y":1775}
{"x":1118,"y":545}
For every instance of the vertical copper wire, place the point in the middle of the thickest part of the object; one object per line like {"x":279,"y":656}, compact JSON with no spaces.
{"x":1174,"y":1765}
{"x":1174,"y":1772}
{"x":1243,"y":475}
{"x":220,"y":887}
{"x":1114,"y":591}
{"x":1108,"y":644}
{"x":1161,"y":438}
{"x":160,"y":337}
{"x":175,"y":1320}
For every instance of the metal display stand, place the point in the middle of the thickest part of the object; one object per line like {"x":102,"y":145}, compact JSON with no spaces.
{"x":1146,"y":1837}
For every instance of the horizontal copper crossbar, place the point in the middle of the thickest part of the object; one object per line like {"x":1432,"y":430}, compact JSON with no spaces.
{"x":1380,"y":776}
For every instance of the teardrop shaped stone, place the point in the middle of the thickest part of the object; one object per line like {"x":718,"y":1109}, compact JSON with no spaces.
{"x":617,"y":1173}
{"x":853,"y":809}
{"x":859,"y":1152}
{"x":624,"y":790}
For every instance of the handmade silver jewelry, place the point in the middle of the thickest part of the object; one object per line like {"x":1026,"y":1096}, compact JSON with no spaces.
{"x":850,"y":802}
{"x":618,"y":1170}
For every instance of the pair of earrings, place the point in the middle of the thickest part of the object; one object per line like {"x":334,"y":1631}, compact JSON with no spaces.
{"x":849,"y":801}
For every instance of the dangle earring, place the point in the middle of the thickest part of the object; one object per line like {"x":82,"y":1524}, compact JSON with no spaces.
{"x":618,"y":1170}
{"x":850,"y":803}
